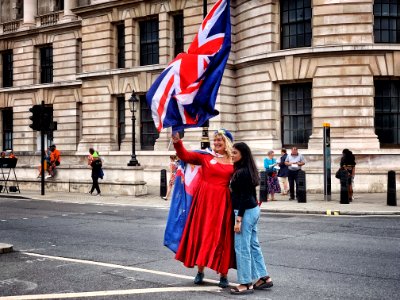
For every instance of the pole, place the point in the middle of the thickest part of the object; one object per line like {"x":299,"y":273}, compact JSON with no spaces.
{"x":205,"y":140}
{"x":133,"y":162}
{"x":327,"y":161}
{"x":391,"y":189}
{"x":42,"y":150}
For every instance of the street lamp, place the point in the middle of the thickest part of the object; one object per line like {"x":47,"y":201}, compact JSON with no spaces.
{"x":132,"y":107}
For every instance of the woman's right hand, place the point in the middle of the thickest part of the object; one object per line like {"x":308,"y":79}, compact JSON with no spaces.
{"x":175,"y":137}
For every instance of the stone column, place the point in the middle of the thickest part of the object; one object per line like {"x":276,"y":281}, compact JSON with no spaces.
{"x":68,"y":14}
{"x":30,"y":11}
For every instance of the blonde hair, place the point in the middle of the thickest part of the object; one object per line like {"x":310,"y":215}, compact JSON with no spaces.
{"x":228,"y":143}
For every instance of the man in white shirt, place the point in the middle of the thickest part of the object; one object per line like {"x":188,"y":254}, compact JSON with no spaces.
{"x":294,"y":161}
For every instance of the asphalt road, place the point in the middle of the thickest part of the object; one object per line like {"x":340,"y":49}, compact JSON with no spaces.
{"x":115,"y":252}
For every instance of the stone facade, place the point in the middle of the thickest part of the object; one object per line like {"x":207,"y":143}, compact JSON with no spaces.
{"x":342,"y":64}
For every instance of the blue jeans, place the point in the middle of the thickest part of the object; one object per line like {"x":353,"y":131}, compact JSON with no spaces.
{"x":249,"y":257}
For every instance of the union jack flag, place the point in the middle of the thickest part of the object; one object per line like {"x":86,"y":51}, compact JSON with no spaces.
{"x":185,"y":93}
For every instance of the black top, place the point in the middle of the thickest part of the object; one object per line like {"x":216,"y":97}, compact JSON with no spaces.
{"x":348,"y":160}
{"x":284,"y":170}
{"x":96,"y":167}
{"x":243,"y":191}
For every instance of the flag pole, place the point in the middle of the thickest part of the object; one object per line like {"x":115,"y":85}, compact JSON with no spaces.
{"x":205,"y":140}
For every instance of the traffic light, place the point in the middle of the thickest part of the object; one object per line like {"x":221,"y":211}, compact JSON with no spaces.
{"x":36,"y":111}
{"x":47,"y":118}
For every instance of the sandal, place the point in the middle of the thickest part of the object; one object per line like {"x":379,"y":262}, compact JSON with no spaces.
{"x":265,"y":284}
{"x":248,"y":290}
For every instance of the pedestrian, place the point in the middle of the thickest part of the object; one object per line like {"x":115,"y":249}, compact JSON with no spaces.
{"x":90,"y":156}
{"x":55,"y":160}
{"x":207,"y":240}
{"x":173,"y":167}
{"x":10,"y":154}
{"x":348,"y":162}
{"x":270,"y":165}
{"x":283,"y":173}
{"x":249,"y":257}
{"x":97,"y":173}
{"x":46,"y":162}
{"x":294,"y":161}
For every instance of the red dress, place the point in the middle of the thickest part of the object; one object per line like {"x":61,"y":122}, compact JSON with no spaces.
{"x":208,"y":237}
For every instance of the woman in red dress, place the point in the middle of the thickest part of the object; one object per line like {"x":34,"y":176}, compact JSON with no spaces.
{"x":207,"y":239}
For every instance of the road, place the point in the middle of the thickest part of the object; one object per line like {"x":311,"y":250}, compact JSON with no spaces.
{"x":69,"y":250}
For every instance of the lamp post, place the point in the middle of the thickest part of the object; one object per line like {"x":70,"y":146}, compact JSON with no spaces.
{"x":132,"y":107}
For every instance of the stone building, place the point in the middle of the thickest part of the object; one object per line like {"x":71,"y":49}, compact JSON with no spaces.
{"x":294,"y":65}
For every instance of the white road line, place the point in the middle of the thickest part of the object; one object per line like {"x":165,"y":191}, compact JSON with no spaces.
{"x":115,"y":266}
{"x":113,"y":293}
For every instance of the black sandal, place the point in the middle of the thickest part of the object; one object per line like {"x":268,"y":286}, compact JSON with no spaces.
{"x":248,"y":290}
{"x":264,"y":284}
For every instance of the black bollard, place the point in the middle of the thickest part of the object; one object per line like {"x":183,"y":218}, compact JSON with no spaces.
{"x":344,"y":186}
{"x":391,"y":189}
{"x":263,"y":186}
{"x":301,"y":188}
{"x":163,"y":183}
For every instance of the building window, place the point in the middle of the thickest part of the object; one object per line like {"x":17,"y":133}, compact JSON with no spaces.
{"x":121,"y":120}
{"x":149,"y":42}
{"x":120,"y":46}
{"x":387,"y":112}
{"x":59,"y":5}
{"x":296,"y":23}
{"x":19,"y":6}
{"x":387,"y":21}
{"x":46,"y":64}
{"x":148,"y":131}
{"x":296,"y":114}
{"x":78,"y":55}
{"x":178,"y":34}
{"x":7,"y":115}
{"x":7,"y":70}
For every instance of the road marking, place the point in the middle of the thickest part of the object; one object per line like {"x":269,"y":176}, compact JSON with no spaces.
{"x":113,"y":293}
{"x":115,"y":266}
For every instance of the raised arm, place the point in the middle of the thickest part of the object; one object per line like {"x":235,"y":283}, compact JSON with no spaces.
{"x":187,"y":156}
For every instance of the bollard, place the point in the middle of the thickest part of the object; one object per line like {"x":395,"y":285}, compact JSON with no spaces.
{"x":344,"y":186}
{"x":163,"y":183}
{"x":301,"y":188}
{"x":263,"y":186}
{"x":391,"y":189}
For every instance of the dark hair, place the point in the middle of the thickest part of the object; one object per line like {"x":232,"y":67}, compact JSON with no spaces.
{"x":246,"y":162}
{"x":283,"y":150}
{"x":348,"y":157}
{"x":91,"y":150}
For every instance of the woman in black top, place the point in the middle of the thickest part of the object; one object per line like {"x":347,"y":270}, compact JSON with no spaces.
{"x":249,"y":257}
{"x":348,"y":162}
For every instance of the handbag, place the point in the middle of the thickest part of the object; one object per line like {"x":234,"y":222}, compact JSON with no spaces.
{"x":337,"y":175}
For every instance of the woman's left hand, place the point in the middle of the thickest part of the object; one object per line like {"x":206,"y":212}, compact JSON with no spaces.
{"x":237,"y":227}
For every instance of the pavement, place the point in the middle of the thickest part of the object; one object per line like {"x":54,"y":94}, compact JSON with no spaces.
{"x":363,"y":204}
